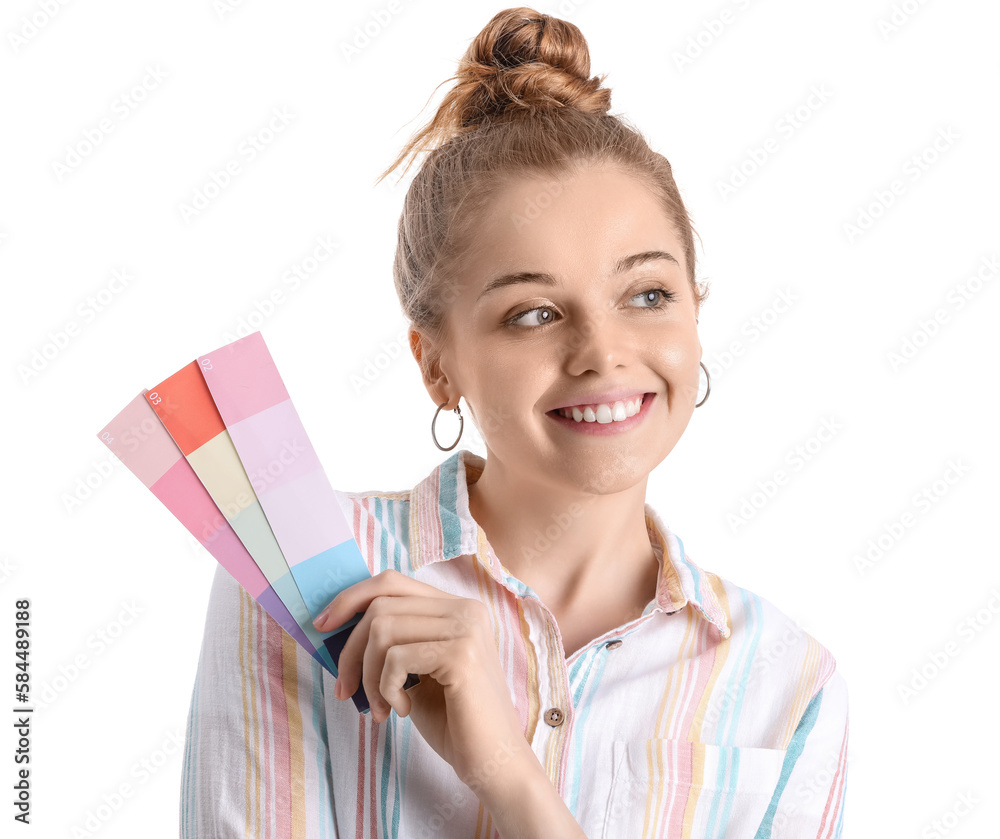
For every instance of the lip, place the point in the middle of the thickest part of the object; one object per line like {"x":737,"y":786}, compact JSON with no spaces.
{"x":606,"y":428}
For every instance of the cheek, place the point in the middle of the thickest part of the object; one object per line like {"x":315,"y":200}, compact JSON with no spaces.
{"x":509,"y":386}
{"x":678,"y":364}
{"x":511,"y":372}
{"x":680,"y":358}
{"x":498,"y":392}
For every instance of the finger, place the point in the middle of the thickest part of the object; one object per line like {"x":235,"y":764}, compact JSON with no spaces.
{"x":355,"y":598}
{"x":349,"y":664}
{"x":394,"y":671}
{"x":388,"y":634}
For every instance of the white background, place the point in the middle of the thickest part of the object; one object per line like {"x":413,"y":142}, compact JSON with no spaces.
{"x":84,"y":539}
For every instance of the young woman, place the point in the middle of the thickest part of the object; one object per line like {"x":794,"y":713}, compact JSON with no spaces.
{"x":580,"y":675}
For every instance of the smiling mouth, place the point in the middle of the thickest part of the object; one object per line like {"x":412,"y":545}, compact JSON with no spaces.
{"x":603,"y":413}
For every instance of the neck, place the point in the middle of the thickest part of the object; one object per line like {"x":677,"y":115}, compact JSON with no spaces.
{"x":575,"y":549}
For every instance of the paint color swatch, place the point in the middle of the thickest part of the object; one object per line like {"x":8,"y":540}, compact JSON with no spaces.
{"x":184,"y":405}
{"x":223,"y":448}
{"x":138,"y":439}
{"x":316,"y":539}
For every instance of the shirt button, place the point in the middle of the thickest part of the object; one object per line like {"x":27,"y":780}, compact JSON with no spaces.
{"x":554,"y":717}
{"x":613,"y":645}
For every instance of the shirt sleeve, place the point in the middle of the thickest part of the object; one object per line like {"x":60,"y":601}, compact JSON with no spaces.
{"x":256,"y":754}
{"x":808,"y":802}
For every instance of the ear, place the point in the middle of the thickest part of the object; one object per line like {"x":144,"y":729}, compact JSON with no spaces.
{"x":427,"y":352}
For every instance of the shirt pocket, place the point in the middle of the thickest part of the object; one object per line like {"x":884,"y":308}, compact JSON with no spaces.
{"x":659,"y":786}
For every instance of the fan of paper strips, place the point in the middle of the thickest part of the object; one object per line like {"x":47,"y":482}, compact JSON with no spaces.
{"x":220,"y":444}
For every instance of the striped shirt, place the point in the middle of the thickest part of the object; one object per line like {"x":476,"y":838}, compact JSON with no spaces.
{"x":710,"y":715}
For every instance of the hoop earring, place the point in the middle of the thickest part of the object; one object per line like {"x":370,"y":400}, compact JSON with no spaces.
{"x":461,"y":427}
{"x":708,"y":388}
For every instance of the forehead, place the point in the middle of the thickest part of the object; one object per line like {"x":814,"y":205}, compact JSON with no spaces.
{"x":580,"y":223}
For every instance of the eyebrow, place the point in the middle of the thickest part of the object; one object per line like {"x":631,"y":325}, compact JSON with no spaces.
{"x":624,"y":264}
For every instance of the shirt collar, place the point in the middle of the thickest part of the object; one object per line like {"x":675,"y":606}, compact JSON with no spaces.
{"x":442,"y":528}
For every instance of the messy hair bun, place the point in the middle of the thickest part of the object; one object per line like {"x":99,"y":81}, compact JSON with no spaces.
{"x":523,"y":62}
{"x":523,"y":104}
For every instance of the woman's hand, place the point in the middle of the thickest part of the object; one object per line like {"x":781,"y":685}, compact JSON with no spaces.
{"x":462,"y":706}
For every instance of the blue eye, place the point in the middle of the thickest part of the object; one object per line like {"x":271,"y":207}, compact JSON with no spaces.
{"x":664,"y":296}
{"x":546,"y":315}
{"x":515,"y":320}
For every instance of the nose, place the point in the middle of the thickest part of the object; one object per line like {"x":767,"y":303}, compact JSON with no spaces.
{"x":598,"y":343}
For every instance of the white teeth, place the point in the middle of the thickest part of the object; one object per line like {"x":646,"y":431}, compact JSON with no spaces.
{"x":606,"y":412}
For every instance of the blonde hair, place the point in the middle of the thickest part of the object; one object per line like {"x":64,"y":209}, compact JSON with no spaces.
{"x":523,"y":104}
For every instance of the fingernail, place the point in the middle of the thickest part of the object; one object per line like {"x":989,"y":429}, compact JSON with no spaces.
{"x":322,"y":617}
{"x":336,"y":688}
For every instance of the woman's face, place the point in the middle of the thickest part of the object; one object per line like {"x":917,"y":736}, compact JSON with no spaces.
{"x":555,"y":307}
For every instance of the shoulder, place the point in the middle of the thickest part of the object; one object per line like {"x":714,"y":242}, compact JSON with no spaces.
{"x":776,"y":654}
{"x":777,"y":641}
{"x":767,"y":642}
